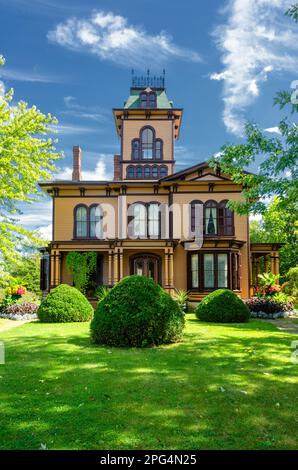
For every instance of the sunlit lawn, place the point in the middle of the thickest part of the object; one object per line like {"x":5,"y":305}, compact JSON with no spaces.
{"x":223,"y":387}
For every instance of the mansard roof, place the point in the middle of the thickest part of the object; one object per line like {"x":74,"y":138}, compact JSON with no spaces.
{"x":133,"y":101}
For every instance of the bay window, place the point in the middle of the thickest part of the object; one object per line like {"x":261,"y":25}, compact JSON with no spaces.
{"x":210,"y":271}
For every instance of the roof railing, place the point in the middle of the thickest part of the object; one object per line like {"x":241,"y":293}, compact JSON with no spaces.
{"x":150,"y":81}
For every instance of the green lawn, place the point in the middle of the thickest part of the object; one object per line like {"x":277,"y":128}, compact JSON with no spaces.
{"x":223,"y":387}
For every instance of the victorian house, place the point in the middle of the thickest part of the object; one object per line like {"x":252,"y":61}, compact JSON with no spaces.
{"x":150,"y":219}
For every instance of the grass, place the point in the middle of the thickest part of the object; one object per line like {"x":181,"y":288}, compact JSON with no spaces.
{"x":223,"y":387}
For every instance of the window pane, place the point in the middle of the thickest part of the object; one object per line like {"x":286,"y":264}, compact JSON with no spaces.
{"x":194,"y":271}
{"x":163,"y":171}
{"x":135,"y":149}
{"x":208,"y":271}
{"x":153,"y":220}
{"x":95,"y":222}
{"x":139,"y":172}
{"x":147,"y":171}
{"x":147,"y":144}
{"x":222,"y":268}
{"x":131,"y":172}
{"x":140,"y":220}
{"x":158,"y":148}
{"x":155,"y":172}
{"x":211,"y":221}
{"x":81,"y":222}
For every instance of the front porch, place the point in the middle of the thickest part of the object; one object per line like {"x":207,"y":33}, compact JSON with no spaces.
{"x":264,"y":258}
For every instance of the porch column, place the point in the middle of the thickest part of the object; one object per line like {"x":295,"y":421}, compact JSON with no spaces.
{"x":272,"y":262}
{"x":57,"y":278}
{"x":52,"y":262}
{"x":116,"y":270}
{"x":266,"y":263}
{"x":277,"y":264}
{"x":110,"y":279}
{"x":171,"y":267}
{"x":120,"y":263}
{"x":166,"y":270}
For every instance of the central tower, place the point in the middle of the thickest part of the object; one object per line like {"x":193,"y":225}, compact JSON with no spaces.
{"x":148,"y":126}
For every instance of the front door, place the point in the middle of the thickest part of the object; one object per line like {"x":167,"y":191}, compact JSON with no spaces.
{"x":146,"y":265}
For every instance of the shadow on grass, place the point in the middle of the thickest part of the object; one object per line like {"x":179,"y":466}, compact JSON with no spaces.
{"x":218,"y":388}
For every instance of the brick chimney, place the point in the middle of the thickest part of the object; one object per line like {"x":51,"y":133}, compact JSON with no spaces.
{"x":77,"y":160}
{"x":117,"y":168}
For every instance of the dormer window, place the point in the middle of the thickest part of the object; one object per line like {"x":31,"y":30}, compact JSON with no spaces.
{"x":148,"y":99}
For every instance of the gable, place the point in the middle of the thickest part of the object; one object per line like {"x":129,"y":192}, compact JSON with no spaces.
{"x":199,"y":172}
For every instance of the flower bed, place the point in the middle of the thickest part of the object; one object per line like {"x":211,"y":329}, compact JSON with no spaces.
{"x":270,"y":308}
{"x":24,"y":311}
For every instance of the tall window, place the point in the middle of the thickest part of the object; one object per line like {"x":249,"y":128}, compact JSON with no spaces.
{"x":225,"y":219}
{"x":95,"y":222}
{"x":153,"y":220}
{"x":144,"y":221}
{"x":158,"y":149}
{"x":147,"y":143}
{"x":139,"y":172}
{"x":147,"y":171}
{"x":135,"y":149}
{"x":209,"y":271}
{"x":195,"y":212}
{"x":88,"y":221}
{"x":139,"y":221}
{"x":211,"y":218}
{"x":155,"y":172}
{"x":81,"y":222}
{"x":222,"y":270}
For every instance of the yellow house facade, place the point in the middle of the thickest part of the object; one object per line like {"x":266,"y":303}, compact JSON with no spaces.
{"x":151,"y":220}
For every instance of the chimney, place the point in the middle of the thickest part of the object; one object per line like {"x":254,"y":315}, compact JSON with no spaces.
{"x":117,"y":168}
{"x":77,"y":159}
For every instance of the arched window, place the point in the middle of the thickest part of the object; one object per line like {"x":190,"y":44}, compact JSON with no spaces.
{"x":225,"y":219}
{"x":153,"y":220}
{"x":139,"y":172}
{"x":148,"y":100}
{"x":139,"y":220}
{"x":143,"y":100}
{"x":196,"y":212}
{"x":158,"y":149}
{"x":210,"y":222}
{"x":152,"y":99}
{"x":155,"y":172}
{"x":147,"y":138}
{"x":81,"y":229}
{"x":95,"y":222}
{"x":163,"y":171}
{"x":147,"y":172}
{"x":135,"y":149}
{"x":130,"y":172}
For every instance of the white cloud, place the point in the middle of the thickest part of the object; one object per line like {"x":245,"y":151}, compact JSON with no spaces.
{"x":72,"y":129}
{"x":22,"y":76}
{"x":94,"y":113}
{"x":256,"y":40}
{"x":46,"y":232}
{"x":273,"y":130}
{"x":99,"y":174}
{"x":111,"y":37}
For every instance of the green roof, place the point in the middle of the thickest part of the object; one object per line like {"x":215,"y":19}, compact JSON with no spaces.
{"x":133,"y":101}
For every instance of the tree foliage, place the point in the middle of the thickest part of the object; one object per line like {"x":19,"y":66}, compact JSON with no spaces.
{"x":81,"y":266}
{"x":278,"y":225}
{"x":27,"y":156}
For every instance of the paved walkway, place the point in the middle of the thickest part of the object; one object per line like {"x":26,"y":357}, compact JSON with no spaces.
{"x":6,"y":324}
{"x":288,"y":325}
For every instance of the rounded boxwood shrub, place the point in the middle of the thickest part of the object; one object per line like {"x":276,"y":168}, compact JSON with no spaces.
{"x":222,"y":306}
{"x":64,"y":304}
{"x":137,"y":312}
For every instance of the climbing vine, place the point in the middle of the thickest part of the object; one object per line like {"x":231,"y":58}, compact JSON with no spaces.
{"x":81,"y":266}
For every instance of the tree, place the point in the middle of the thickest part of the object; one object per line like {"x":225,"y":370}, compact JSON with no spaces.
{"x":27,"y":156}
{"x":278,"y":226}
{"x":278,"y":170}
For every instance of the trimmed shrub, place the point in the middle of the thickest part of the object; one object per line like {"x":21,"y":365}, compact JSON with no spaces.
{"x":65,"y":304}
{"x":137,"y":312}
{"x":222,"y":306}
{"x":268,"y":305}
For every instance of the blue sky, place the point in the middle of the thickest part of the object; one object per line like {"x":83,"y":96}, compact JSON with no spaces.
{"x":224,"y":61}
